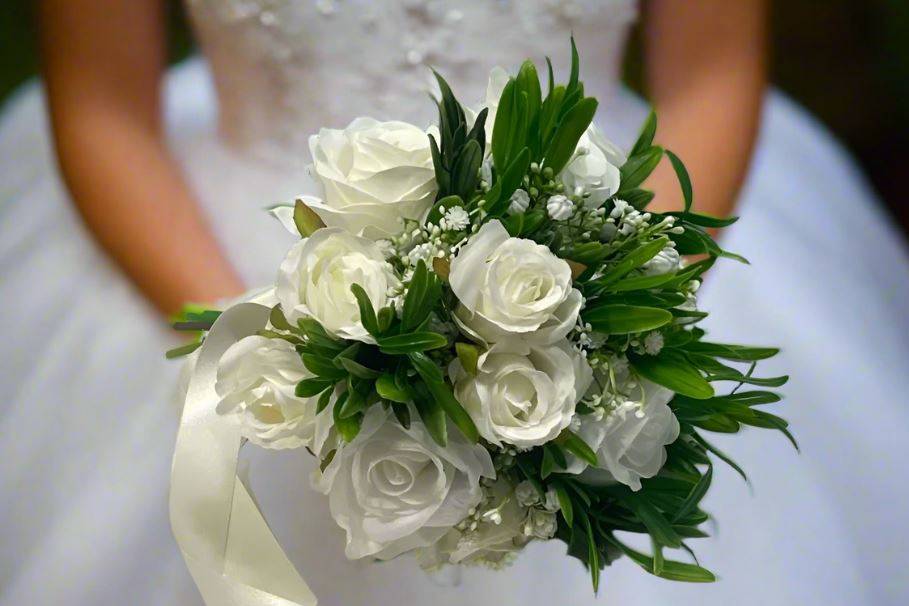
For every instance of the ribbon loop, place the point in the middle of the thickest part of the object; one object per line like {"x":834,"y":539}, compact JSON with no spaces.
{"x":232,"y":555}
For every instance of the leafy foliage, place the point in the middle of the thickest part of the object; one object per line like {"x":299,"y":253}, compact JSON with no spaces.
{"x":534,"y":137}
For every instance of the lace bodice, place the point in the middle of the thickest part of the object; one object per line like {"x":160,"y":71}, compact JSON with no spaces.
{"x":284,"y":68}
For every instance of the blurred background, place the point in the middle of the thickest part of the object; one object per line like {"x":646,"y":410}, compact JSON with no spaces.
{"x":846,"y":61}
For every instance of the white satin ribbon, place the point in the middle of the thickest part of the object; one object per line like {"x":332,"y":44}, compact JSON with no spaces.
{"x":234,"y":558}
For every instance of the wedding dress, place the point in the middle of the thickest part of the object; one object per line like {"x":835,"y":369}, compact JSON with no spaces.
{"x":87,"y":423}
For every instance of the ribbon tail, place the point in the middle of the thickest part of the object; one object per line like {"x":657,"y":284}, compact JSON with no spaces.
{"x":231,"y":553}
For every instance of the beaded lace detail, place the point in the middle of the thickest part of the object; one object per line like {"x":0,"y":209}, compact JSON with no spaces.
{"x":284,"y":68}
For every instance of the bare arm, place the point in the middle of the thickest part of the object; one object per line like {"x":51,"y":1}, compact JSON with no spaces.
{"x":705,"y":62}
{"x":103,"y":61}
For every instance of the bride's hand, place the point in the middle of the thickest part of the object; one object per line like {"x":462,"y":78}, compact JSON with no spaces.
{"x":705,"y":64}
{"x":103,"y":61}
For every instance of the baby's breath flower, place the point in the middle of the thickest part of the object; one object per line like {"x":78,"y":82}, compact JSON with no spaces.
{"x":455,"y":219}
{"x":559,"y":207}
{"x":520,"y":200}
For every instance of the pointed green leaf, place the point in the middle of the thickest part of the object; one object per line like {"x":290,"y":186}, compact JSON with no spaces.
{"x":388,"y":389}
{"x":468,"y":355}
{"x":578,"y":447}
{"x":308,"y":388}
{"x":367,"y":311}
{"x":645,"y":138}
{"x":412,"y":342}
{"x":637,"y":168}
{"x":684,"y":179}
{"x":569,"y":132}
{"x":622,"y":319}
{"x":671,"y":370}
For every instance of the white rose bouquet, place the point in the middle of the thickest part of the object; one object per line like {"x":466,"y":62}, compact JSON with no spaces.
{"x":488,"y":340}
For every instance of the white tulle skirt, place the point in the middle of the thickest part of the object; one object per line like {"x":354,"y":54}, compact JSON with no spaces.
{"x":87,"y":421}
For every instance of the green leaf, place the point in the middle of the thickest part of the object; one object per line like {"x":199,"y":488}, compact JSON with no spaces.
{"x":422,"y":294}
{"x":497,"y":198}
{"x":619,"y":319}
{"x":434,"y":381}
{"x":673,"y":571}
{"x":478,"y":132}
{"x":752,"y":398}
{"x":578,"y":447}
{"x":671,"y":370}
{"x":549,"y":114}
{"x":323,"y":401}
{"x":354,"y":404}
{"x":502,"y":125}
{"x":307,"y":388}
{"x":322,"y":367}
{"x":732,"y":352}
{"x":719,"y":454}
{"x":633,"y":260}
{"x":528,"y":81}
{"x":468,"y":355}
{"x":183,"y":350}
{"x":388,"y":389}
{"x":637,"y":168}
{"x":532,"y":221}
{"x":385,"y":317}
{"x":277,"y":319}
{"x":645,"y":139}
{"x":402,"y":414}
{"x":640,"y":282}
{"x":412,"y":342}
{"x":514,"y":224}
{"x":575,"y":67}
{"x":367,"y":311}
{"x":593,"y":553}
{"x":348,"y":427}
{"x":443,"y":178}
{"x":433,"y":417}
{"x":568,"y":133}
{"x":694,"y":497}
{"x":558,"y":456}
{"x":658,"y":561}
{"x":465,"y":172}
{"x":547,"y":465}
{"x":195,"y":313}
{"x":655,"y":522}
{"x":565,"y":506}
{"x":306,"y":219}
{"x":692,"y":272}
{"x":684,"y":180}
{"x":358,"y":370}
{"x":703,"y":220}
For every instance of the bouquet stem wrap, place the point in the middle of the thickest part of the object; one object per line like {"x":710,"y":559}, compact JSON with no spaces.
{"x":232,"y":555}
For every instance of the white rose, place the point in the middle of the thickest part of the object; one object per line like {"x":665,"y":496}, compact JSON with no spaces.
{"x":665,"y":261}
{"x":594,"y":168}
{"x":373,"y":174}
{"x":522,"y":395}
{"x":630,"y":441}
{"x":316,"y":275}
{"x":491,"y":539}
{"x":394,"y":489}
{"x":256,"y":380}
{"x":512,"y":287}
